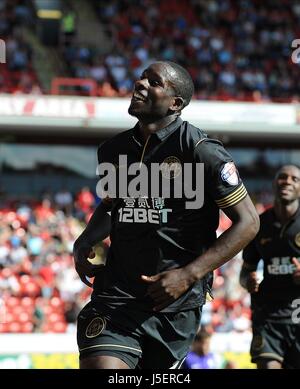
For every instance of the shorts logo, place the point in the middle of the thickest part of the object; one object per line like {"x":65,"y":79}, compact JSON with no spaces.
{"x":265,"y":241}
{"x":257,"y":342}
{"x":297,"y":239}
{"x":96,"y":326}
{"x":171,"y":167}
{"x":229,"y":174}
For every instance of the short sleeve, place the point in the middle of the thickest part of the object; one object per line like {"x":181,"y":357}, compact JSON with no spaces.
{"x":222,"y":179}
{"x":251,"y":255}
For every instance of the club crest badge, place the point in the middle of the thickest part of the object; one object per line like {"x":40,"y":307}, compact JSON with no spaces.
{"x":95,"y":327}
{"x":297,"y":239}
{"x":171,"y":167}
{"x":257,"y":342}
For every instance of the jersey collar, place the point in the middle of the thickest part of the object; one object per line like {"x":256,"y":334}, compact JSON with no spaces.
{"x":161,"y":134}
{"x":291,"y":219}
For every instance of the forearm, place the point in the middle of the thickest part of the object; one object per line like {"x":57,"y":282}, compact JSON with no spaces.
{"x":229,"y":244}
{"x":98,"y":227}
{"x":244,"y":275}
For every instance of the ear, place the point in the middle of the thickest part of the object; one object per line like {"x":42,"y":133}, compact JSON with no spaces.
{"x":178,"y":104}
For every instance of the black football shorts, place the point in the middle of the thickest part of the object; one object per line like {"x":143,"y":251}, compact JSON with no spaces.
{"x":277,"y":341}
{"x":141,"y":339}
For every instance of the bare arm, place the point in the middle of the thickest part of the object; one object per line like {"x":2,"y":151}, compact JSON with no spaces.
{"x":248,"y":278}
{"x":97,"y":229}
{"x":245,"y":225}
{"x":167,"y":286}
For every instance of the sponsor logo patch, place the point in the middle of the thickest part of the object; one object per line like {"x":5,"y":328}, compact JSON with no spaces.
{"x":95,"y":327}
{"x":229,"y":174}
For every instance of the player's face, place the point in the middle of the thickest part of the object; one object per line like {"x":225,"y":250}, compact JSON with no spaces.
{"x":287,"y":184}
{"x":153,"y":96}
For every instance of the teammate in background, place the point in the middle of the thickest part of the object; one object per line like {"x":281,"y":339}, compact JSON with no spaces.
{"x":276,"y":332}
{"x":146,"y":303}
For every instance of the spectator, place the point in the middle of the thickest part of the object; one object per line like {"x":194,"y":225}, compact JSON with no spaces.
{"x":64,"y":201}
{"x":200,"y":357}
{"x":85,"y":200}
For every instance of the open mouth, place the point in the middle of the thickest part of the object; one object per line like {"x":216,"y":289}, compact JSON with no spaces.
{"x":138,"y":97}
{"x":285,"y":190}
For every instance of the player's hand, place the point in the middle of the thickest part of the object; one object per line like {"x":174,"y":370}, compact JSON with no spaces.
{"x":296,"y":274}
{"x":166,"y":287}
{"x":251,"y":283}
{"x":83,"y":266}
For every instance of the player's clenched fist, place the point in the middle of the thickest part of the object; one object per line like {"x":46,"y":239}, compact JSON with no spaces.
{"x":251,"y":282}
{"x":296,"y":274}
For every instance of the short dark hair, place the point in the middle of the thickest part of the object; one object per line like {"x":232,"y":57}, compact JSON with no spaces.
{"x":182,"y":83}
{"x":286,"y":165}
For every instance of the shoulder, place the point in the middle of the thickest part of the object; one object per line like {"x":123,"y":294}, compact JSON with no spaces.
{"x":111,"y":146}
{"x":192,"y":133}
{"x":211,"y":150}
{"x":116,"y":140}
{"x":201,"y":144}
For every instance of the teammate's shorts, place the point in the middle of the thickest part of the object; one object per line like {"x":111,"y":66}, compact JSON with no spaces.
{"x":146,"y":340}
{"x":276,"y":341}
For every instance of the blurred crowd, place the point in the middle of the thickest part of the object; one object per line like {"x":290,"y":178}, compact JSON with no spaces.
{"x":39,"y":288}
{"x":17,"y":74}
{"x":233,"y":49}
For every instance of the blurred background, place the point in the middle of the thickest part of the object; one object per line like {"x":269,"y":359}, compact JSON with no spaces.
{"x":66,"y":73}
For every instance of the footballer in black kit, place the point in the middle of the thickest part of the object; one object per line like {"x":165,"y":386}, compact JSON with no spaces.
{"x":146,"y":303}
{"x":276,"y":328}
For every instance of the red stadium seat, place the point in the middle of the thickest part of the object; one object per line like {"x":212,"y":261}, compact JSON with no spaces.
{"x":12,"y":301}
{"x":14,"y":327}
{"x":17,"y":310}
{"x":41,"y":301}
{"x":46,"y":328}
{"x":27,"y":302}
{"x":48,"y":310}
{"x":29,"y":287}
{"x":59,"y":327}
{"x":32,"y":289}
{"x":9,"y":317}
{"x":24,"y":317}
{"x":54,"y":317}
{"x":56,"y":302}
{"x":26,"y":327}
{"x":3,"y":327}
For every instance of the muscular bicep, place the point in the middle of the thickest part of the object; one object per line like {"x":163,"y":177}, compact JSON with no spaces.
{"x":245,"y":212}
{"x":242,"y":211}
{"x":245,"y":222}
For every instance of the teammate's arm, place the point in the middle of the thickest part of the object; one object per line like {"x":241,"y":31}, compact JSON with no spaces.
{"x":248,"y":277}
{"x":97,"y":229}
{"x":296,"y":274}
{"x":168,"y":286}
